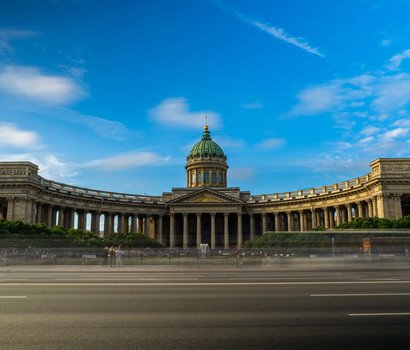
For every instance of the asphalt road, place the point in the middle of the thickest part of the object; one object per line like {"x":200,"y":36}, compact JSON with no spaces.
{"x":221,"y":309}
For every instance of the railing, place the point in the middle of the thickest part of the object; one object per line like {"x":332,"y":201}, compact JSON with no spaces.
{"x":311,"y":192}
{"x":103,"y":195}
{"x":136,"y":198}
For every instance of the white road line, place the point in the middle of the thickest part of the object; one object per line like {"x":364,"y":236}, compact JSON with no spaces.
{"x":382,"y":314}
{"x":13,"y":296}
{"x":162,"y":284}
{"x":360,"y":295}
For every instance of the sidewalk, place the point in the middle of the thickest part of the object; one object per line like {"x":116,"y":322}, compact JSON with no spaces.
{"x":205,"y":268}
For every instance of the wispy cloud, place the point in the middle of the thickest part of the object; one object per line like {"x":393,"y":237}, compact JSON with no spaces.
{"x":50,"y":166}
{"x":126,"y":160}
{"x":371,"y":109}
{"x":12,"y":135}
{"x":103,"y":127}
{"x":174,"y":112}
{"x":271,"y":143}
{"x":254,"y":105}
{"x":7,"y":35}
{"x":397,"y":59}
{"x":31,"y":83}
{"x":282,"y":35}
{"x":277,"y":32}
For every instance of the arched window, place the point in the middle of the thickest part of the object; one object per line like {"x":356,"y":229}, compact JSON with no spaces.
{"x":213,"y":177}
{"x":220,"y":178}
{"x":206,"y":177}
{"x":193,"y":178}
{"x":199,"y":177}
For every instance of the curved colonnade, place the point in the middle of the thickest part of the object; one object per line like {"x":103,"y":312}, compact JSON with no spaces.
{"x":186,"y":217}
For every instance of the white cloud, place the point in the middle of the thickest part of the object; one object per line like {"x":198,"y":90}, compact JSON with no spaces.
{"x":126,"y":161}
{"x":103,"y":127}
{"x":386,"y":42}
{"x":402,"y":123}
{"x":278,"y":33}
{"x":271,"y":143}
{"x":29,"y":82}
{"x":50,"y":167}
{"x":282,"y":35}
{"x":11,"y":135}
{"x":174,"y":112}
{"x":370,"y":130}
{"x":397,"y":59}
{"x":7,"y":35}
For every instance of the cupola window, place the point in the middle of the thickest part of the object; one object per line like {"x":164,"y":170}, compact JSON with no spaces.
{"x":220,"y":178}
{"x":213,"y":177}
{"x":206,"y":177}
{"x":199,"y":177}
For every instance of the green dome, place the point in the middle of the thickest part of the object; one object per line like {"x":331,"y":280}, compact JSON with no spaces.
{"x":206,"y":146}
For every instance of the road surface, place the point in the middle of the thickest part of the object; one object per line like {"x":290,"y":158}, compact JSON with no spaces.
{"x":205,"y":309}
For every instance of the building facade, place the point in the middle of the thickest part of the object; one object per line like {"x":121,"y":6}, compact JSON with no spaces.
{"x":206,"y":211}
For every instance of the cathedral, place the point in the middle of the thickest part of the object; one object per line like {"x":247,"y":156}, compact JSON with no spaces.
{"x":206,"y":210}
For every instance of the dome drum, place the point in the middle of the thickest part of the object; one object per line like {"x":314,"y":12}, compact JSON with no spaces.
{"x":206,"y":164}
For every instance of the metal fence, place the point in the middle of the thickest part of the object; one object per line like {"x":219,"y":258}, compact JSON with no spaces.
{"x":95,"y":256}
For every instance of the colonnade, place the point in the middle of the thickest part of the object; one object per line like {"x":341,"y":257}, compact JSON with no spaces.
{"x":185,"y":227}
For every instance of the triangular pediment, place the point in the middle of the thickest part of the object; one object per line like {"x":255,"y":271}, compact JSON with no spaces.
{"x":205,"y":196}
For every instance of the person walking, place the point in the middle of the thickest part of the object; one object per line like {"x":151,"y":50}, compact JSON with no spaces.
{"x":118,"y":255}
{"x":112,"y":256}
{"x":105,"y":255}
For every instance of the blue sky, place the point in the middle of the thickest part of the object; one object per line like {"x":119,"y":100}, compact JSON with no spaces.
{"x":112,"y":95}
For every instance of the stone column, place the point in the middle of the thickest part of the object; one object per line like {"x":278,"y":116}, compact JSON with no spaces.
{"x":252,"y":226}
{"x":61,"y":216}
{"x":370,"y":207}
{"x":226,"y":230}
{"x":33,"y":211}
{"x":54,"y":216}
{"x":314,"y":217}
{"x":71,"y":215}
{"x":263,"y":224}
{"x":338,"y":216}
{"x":289,"y":216}
{"x":212,"y":230}
{"x":147,"y":226}
{"x":301,"y":221}
{"x":159,"y":238}
{"x":359,"y":209}
{"x":349,"y":212}
{"x":10,"y":208}
{"x":40,"y":213}
{"x":139,"y":228}
{"x":49,"y":219}
{"x":120,"y":223}
{"x":172,"y":230}
{"x":134,"y":223}
{"x":374,"y":201}
{"x":81,"y":220}
{"x":198,"y":230}
{"x":107,"y":224}
{"x":240,"y":228}
{"x":95,"y":223}
{"x":185,"y":231}
{"x":397,"y":206}
{"x":326,"y":217}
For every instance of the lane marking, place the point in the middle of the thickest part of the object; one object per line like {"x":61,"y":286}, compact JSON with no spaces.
{"x":13,"y":296}
{"x":359,"y":295}
{"x":162,"y":284}
{"x":382,"y":314}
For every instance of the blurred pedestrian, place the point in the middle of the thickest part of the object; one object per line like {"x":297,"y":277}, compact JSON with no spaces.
{"x":111,"y":254}
{"x":106,"y":253}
